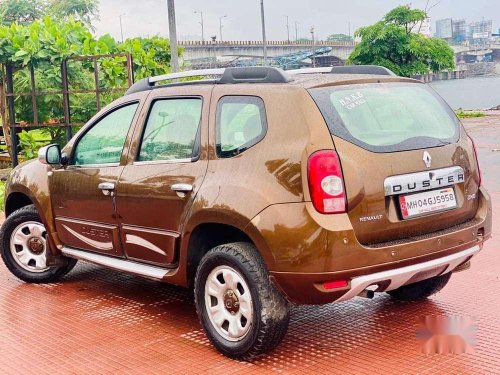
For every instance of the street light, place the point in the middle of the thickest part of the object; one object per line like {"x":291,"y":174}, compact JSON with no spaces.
{"x":201,"y":23}
{"x":296,"y":31}
{"x":313,"y":60}
{"x":220,"y":26}
{"x":287,"y":30}
{"x":264,"y":40}
{"x":121,"y":27}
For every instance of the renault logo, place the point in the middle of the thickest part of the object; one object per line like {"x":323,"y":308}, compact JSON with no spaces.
{"x":427,"y":159}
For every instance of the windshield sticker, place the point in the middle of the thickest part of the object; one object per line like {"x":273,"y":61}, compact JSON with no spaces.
{"x":352,"y":101}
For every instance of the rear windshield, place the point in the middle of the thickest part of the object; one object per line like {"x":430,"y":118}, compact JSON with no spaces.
{"x":388,"y":117}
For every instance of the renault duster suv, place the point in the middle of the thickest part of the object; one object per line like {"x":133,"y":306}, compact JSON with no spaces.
{"x":258,"y":188}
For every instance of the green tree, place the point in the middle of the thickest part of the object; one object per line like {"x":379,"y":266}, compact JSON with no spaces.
{"x":21,"y":11}
{"x":395,"y":43}
{"x":27,"y":11}
{"x":45,"y":43}
{"x":340,"y":38}
{"x":84,"y":11}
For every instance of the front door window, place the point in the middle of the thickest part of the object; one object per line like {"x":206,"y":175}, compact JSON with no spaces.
{"x":103,"y":142}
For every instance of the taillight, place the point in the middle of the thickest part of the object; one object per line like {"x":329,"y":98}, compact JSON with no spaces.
{"x":477,"y":162}
{"x":326,"y":182}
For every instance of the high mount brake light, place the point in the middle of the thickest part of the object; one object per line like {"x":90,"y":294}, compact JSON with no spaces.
{"x":477,"y":161}
{"x":326,"y":182}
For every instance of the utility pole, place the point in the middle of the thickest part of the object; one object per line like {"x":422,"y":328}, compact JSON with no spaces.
{"x":172,"y":30}
{"x":202,"y":26}
{"x":264,"y":40}
{"x":296,"y":32}
{"x":313,"y":60}
{"x":287,"y":30}
{"x":121,"y":26}
{"x":349,"y":25}
{"x":220,"y":26}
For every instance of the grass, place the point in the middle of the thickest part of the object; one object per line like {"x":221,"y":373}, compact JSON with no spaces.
{"x":469,"y":114}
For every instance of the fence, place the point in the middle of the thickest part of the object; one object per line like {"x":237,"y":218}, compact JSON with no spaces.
{"x":65,"y":93}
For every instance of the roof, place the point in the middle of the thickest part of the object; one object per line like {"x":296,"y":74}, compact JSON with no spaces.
{"x":307,"y":78}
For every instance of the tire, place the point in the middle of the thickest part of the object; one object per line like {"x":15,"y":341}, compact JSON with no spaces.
{"x":25,"y":256}
{"x":421,"y":289}
{"x":245,"y":281}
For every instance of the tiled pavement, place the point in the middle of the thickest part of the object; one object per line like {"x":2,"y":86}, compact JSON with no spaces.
{"x":100,"y":321}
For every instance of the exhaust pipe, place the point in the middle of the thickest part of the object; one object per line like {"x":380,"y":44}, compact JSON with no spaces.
{"x":367,"y":293}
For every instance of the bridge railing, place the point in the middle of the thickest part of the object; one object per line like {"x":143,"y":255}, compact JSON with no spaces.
{"x":229,"y":43}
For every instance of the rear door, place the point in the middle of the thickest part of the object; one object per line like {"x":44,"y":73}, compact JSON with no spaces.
{"x":408,"y":165}
{"x":165,"y":169}
{"x":82,"y":193}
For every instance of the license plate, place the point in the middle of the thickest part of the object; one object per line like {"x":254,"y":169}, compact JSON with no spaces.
{"x":428,"y":202}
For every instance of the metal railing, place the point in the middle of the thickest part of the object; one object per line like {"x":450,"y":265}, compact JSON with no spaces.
{"x":64,"y":92}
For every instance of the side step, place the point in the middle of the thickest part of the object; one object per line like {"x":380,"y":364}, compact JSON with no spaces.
{"x":140,"y":269}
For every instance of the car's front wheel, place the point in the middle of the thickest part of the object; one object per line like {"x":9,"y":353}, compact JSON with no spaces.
{"x":23,"y":241}
{"x":242,"y":313}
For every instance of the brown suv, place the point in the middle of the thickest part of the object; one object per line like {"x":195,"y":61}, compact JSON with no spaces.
{"x":259,"y":188}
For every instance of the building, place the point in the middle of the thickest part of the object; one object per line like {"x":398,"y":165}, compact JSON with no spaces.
{"x":425,"y":28}
{"x":480,"y":32}
{"x":444,"y":29}
{"x":459,"y":31}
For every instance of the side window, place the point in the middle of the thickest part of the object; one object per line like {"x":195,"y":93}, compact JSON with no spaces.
{"x":171,"y":131}
{"x":241,"y":123}
{"x":103,"y":143}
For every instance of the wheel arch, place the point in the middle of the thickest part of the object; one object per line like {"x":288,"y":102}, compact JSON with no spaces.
{"x":208,"y":235}
{"x":15,"y":201}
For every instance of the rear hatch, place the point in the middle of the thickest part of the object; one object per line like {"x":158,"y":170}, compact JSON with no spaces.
{"x":409,"y":168}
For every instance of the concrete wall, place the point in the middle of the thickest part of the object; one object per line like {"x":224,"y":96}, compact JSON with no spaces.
{"x":199,"y":50}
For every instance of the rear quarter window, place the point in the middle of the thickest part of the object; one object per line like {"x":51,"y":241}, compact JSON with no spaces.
{"x":240,"y":124}
{"x":388,"y":117}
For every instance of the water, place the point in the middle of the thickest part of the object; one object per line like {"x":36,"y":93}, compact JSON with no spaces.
{"x":470,"y":93}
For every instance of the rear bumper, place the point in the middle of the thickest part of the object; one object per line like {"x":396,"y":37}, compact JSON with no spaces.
{"x":393,"y":279}
{"x":313,"y":249}
{"x":308,"y":289}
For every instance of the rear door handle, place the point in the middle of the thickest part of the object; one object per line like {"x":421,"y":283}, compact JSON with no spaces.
{"x":182,"y":189}
{"x":106,"y":187}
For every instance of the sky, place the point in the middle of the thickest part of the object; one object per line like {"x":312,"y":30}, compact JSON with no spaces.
{"x":149,"y":17}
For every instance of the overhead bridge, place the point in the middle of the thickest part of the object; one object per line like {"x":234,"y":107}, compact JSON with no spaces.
{"x":198,"y":50}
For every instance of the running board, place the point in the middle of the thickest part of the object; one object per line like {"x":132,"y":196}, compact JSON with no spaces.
{"x":140,"y":269}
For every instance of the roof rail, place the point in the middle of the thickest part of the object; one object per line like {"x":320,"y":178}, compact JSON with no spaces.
{"x":346,"y":69}
{"x":255,"y":74}
{"x":363,"y":69}
{"x":327,"y":69}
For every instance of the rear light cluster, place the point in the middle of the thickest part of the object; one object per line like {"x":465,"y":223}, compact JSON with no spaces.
{"x":477,"y":162}
{"x":326,"y":182}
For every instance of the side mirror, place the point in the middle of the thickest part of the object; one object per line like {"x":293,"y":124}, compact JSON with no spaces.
{"x":50,"y":155}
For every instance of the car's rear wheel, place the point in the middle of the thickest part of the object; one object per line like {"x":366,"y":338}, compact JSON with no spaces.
{"x":23,"y":240}
{"x":421,"y":289}
{"x":242,"y":313}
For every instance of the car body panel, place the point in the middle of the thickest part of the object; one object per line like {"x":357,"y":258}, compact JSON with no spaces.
{"x":85,"y":218}
{"x":375,"y":216}
{"x":153,"y":236}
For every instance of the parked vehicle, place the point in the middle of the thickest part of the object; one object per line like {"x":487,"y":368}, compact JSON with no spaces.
{"x":258,"y":188}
